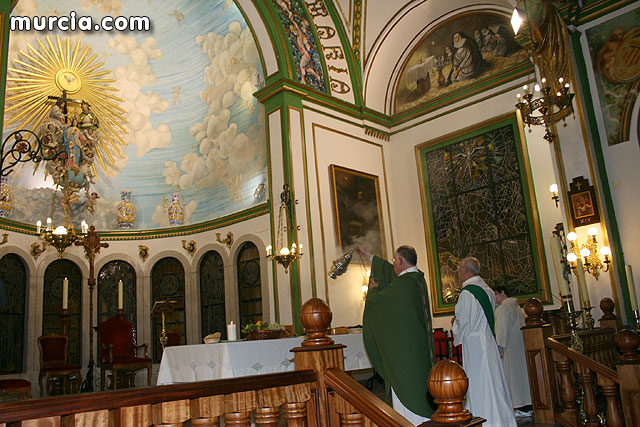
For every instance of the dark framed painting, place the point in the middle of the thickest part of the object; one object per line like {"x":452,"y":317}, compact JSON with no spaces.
{"x":358,"y":210}
{"x":583,"y":202}
{"x":478,"y":200}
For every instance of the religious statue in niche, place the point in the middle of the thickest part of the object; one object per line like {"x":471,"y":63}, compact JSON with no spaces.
{"x":77,"y":136}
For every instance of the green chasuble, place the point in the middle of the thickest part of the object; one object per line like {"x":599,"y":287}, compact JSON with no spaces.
{"x":485,"y":303}
{"x":398,"y":335}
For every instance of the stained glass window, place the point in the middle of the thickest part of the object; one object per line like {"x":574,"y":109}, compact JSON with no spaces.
{"x":13,"y":285}
{"x":212,"y":307}
{"x":478,"y":207}
{"x":52,"y":307}
{"x":249,"y":284}
{"x":167,"y":283}
{"x":108,"y":278}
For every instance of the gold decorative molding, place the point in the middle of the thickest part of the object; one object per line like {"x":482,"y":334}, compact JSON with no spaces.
{"x":191,"y":247}
{"x":227,"y":240}
{"x":376,"y":134}
{"x":144,"y":252}
{"x":5,"y":238}
{"x":36,"y":250}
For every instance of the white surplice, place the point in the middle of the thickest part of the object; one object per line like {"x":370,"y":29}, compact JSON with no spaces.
{"x":509,"y":320}
{"x":488,"y":394}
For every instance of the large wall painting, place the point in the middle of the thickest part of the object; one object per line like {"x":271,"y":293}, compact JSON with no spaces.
{"x":190,"y":125}
{"x":458,"y":53}
{"x":613,"y":46}
{"x":358,"y":210}
{"x":478,"y":201}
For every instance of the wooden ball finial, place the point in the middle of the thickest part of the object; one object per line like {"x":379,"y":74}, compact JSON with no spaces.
{"x":607,"y":306}
{"x":316,"y":318}
{"x":448,"y":384}
{"x":627,"y":343}
{"x":533,"y":309}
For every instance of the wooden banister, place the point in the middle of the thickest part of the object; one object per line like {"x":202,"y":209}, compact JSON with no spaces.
{"x":65,"y":405}
{"x":582,"y":359}
{"x":366,"y":402}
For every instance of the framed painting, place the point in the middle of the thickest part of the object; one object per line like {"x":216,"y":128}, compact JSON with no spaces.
{"x":478,"y":200}
{"x":584,"y":205}
{"x":358,"y":210}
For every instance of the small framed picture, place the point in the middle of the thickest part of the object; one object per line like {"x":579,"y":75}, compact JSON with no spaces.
{"x":584,"y":205}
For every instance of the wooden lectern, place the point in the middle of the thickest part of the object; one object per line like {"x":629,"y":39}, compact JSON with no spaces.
{"x":162,"y":308}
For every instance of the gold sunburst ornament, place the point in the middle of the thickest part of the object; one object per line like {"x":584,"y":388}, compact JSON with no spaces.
{"x":57,"y":70}
{"x":60,"y":92}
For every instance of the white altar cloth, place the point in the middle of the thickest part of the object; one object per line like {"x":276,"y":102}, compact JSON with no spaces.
{"x":189,"y":363}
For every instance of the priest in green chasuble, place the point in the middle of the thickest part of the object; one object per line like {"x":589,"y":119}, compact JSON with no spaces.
{"x":397,"y":332}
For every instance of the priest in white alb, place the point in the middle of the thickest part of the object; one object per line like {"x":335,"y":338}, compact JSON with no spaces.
{"x":473,"y":327}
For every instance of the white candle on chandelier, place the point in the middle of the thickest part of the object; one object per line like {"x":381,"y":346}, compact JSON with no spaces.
{"x":38,"y":226}
{"x":560,"y":80}
{"x":84,"y":227}
{"x":300,"y":249}
{"x":269,"y":250}
{"x":543,"y":80}
{"x":284,"y":251}
{"x":120,"y":296}
{"x":48,"y":224}
{"x":293,"y":249}
{"x":65,"y":294}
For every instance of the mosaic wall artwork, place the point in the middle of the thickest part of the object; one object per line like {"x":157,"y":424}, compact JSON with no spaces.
{"x":477,"y":207}
{"x":178,"y":116}
{"x":613,"y":46}
{"x":293,"y":16}
{"x":459,"y":53}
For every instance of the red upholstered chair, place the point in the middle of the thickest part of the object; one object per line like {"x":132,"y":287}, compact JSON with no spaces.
{"x":53,"y":365}
{"x":118,"y":351}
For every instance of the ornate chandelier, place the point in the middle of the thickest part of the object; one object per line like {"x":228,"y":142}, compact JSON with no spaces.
{"x":284,"y":254}
{"x":544,"y":107}
{"x":60,"y":237}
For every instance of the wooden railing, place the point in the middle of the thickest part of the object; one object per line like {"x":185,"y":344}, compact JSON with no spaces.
{"x":589,"y":388}
{"x":318,"y":394}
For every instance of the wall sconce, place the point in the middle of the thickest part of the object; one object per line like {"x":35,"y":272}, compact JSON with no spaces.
{"x":284,"y":255}
{"x":589,"y":252}
{"x":553,"y":188}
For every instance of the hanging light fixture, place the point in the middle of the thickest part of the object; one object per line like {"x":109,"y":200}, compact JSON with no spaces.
{"x":550,"y":100}
{"x":60,"y":237}
{"x":284,"y":254}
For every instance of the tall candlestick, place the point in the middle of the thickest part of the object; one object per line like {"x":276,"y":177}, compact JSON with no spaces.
{"x":120,"y":299}
{"x":632,"y":287}
{"x":556,"y":253}
{"x":65,"y":294}
{"x":231,"y":331}
{"x":582,"y":283}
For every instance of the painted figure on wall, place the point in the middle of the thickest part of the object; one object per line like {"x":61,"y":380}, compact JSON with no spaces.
{"x":616,"y":62}
{"x":462,"y":51}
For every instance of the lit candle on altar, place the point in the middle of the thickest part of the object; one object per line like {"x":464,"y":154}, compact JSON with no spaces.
{"x":120,"y":296}
{"x":582,"y":283}
{"x":556,"y":254}
{"x":65,"y":294}
{"x":38,"y":226}
{"x":231,"y":331}
{"x":632,"y":287}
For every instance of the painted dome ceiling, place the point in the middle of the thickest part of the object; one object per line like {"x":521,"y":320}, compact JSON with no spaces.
{"x":176,"y":115}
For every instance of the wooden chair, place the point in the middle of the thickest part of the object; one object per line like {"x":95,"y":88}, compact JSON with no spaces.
{"x":54,"y":367}
{"x":15,"y":388}
{"x":118,"y":352}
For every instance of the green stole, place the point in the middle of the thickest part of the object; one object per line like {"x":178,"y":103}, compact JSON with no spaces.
{"x":485,"y":303}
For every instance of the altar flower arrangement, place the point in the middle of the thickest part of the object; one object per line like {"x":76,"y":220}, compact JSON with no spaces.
{"x":263,"y":330}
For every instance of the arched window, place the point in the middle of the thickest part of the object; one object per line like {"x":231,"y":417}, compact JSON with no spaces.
{"x":108,"y":278}
{"x":212,"y":310}
{"x":249,"y":284}
{"x":52,"y":307}
{"x":167,"y":283}
{"x":13,"y":287}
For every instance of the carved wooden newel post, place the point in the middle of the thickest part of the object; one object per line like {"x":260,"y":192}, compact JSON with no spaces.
{"x":609,"y":319}
{"x":318,"y":351}
{"x":538,"y":364}
{"x":629,"y":373}
{"x":448,"y":384}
